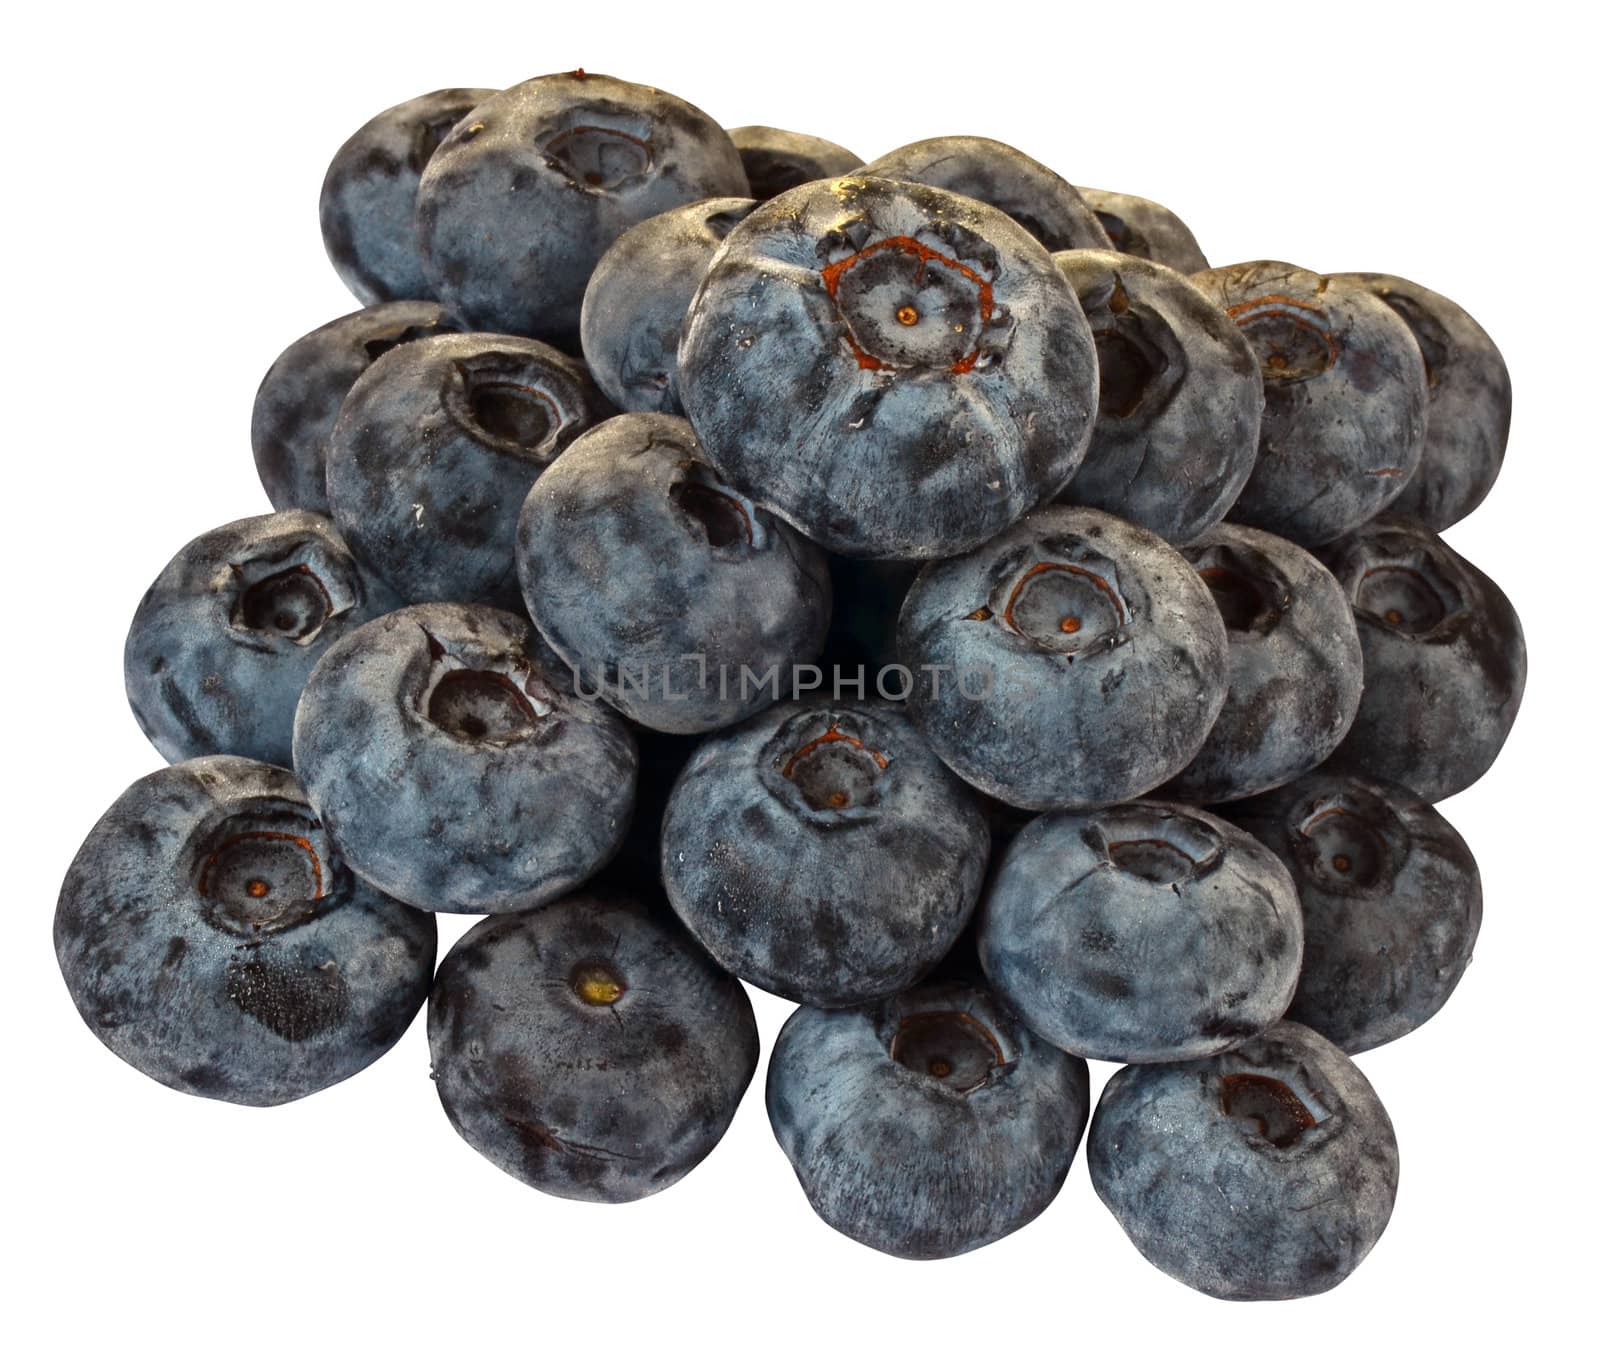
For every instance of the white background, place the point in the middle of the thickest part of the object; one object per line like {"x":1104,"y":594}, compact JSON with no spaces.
{"x":161,"y":186}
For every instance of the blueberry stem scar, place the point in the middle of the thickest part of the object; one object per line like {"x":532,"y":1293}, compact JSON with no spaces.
{"x":598,"y":985}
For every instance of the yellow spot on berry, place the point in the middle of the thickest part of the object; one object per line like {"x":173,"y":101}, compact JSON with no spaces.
{"x":597,"y":986}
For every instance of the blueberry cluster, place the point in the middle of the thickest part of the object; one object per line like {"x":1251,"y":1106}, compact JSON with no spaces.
{"x":924,"y":590}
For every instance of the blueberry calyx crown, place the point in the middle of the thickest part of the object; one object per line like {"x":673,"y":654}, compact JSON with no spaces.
{"x":1130,"y":367}
{"x":293,"y":603}
{"x":1343,"y":846}
{"x":832,"y":766}
{"x":1293,"y":340}
{"x":1132,"y":357}
{"x":511,"y":403}
{"x":1161,"y":846}
{"x":1251,"y":593}
{"x":290,"y":595}
{"x":1270,"y":1107}
{"x":904,"y":306}
{"x":951,"y":1035}
{"x":1071,"y":608}
{"x":724,"y":516}
{"x":497,"y":701}
{"x":950,"y":1046}
{"x":835,"y":770}
{"x":596,"y":157}
{"x":264,"y":870}
{"x":1411,"y":595}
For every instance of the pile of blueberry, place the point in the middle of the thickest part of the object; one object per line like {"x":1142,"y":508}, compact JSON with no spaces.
{"x":922,"y":589}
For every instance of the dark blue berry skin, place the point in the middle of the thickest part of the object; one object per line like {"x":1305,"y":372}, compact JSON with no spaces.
{"x":589,"y":1049}
{"x":1443,"y":654}
{"x":776,"y":161}
{"x":520,"y":201}
{"x":1266,"y":1172}
{"x":1469,"y":402}
{"x":1141,"y":933}
{"x":369,"y":196}
{"x":1347,"y":399}
{"x":821,"y":852}
{"x":898,"y":371}
{"x":1180,"y":397}
{"x":639,"y":295}
{"x":1145,"y":229}
{"x":926,"y":1125}
{"x":300,"y":395}
{"x":479,"y":781}
{"x":660,"y":586}
{"x":1294,"y":665}
{"x":436,"y":448}
{"x":1074,"y":660}
{"x":212,"y":936}
{"x":1036,"y":197}
{"x":1391,"y":897}
{"x":222,"y":643}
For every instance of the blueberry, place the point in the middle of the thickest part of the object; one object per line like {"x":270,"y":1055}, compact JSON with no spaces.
{"x":369,"y":196}
{"x":212,"y":936}
{"x":926,"y":1125}
{"x":822,"y":852}
{"x":776,"y":161}
{"x":1266,"y":1172}
{"x":1294,"y":665}
{"x":589,"y":1049}
{"x":1180,"y":397}
{"x":1141,"y":933}
{"x":638,"y":297}
{"x":1444,"y":658}
{"x":436,"y":448}
{"x":1346,"y":408}
{"x":663,"y":589}
{"x":452,"y":762}
{"x":1469,"y":402}
{"x":520,"y":201}
{"x":1145,"y":229}
{"x":1002,"y":176}
{"x":224,"y":639}
{"x":897,"y":371}
{"x":300,"y":395}
{"x":1074,"y":660}
{"x":1391,"y":898}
